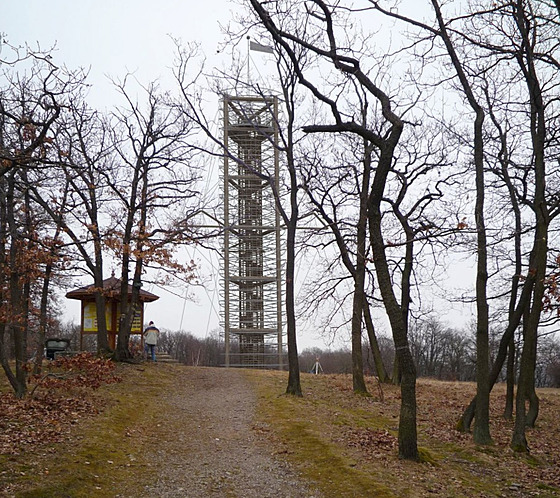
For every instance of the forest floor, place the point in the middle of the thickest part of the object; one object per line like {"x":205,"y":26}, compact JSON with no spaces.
{"x":174,"y":431}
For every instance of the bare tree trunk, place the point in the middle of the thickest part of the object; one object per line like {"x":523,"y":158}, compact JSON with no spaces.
{"x":3,"y":292}
{"x":128,"y":311}
{"x":291,"y":221}
{"x":407,"y":422}
{"x":526,"y":384}
{"x":481,"y":433}
{"x":44,"y":306}
{"x":358,"y":381}
{"x":504,"y":159}
{"x":43,"y":320}
{"x":359,"y":278}
{"x":510,"y":381}
{"x":408,"y":446}
{"x":524,"y":301}
{"x":126,"y":308}
{"x":4,"y":357}
{"x":294,"y":383}
{"x":374,"y":345}
{"x":537,"y":265}
{"x":534,"y":405}
{"x":525,"y":391}
{"x":138,"y":188}
{"x":100,"y":307}
{"x":16,"y":295}
{"x":357,"y":269}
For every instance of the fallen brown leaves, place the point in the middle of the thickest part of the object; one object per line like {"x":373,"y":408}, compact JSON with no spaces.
{"x":440,"y":405}
{"x":373,"y":443}
{"x":365,"y":430}
{"x":58,"y":399}
{"x":43,"y":420}
{"x":80,"y":370}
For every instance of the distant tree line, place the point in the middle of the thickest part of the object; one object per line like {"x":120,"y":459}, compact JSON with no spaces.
{"x":192,"y":350}
{"x":439,"y":352}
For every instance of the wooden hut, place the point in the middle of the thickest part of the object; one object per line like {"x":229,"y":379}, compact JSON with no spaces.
{"x":112,"y":293}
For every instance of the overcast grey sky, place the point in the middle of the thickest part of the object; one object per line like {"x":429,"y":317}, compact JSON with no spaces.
{"x":112,"y":38}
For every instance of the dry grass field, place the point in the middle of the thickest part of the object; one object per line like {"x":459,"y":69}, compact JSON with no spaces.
{"x":341,"y":439}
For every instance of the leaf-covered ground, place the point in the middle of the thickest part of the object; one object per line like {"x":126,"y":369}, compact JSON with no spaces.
{"x":356,"y":438}
{"x":344,"y":445}
{"x":58,"y":398}
{"x":46,"y":419}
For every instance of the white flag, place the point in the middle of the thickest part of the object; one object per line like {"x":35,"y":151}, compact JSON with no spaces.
{"x":260,"y":48}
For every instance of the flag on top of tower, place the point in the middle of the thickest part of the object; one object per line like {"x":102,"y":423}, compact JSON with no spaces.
{"x":260,"y":48}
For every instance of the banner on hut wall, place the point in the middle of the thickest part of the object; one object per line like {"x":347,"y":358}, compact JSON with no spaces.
{"x":90,"y":317}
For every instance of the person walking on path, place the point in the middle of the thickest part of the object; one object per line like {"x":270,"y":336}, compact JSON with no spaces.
{"x":151,"y":334}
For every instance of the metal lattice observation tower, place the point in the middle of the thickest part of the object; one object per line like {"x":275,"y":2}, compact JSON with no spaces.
{"x":252,"y":290}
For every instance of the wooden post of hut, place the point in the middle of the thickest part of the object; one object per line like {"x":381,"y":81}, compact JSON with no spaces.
{"x":111,"y":291}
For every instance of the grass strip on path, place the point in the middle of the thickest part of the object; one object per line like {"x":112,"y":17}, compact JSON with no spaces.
{"x":304,"y":428}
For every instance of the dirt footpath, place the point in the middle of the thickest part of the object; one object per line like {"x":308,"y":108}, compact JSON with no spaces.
{"x":206,"y":445}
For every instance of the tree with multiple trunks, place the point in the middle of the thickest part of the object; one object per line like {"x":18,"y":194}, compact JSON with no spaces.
{"x":333,"y":191}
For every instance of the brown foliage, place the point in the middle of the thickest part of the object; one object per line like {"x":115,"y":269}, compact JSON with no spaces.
{"x":47,"y":417}
{"x":552,"y":295}
{"x":80,"y":370}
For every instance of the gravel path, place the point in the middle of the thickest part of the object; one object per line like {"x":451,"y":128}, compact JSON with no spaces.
{"x":206,"y":446}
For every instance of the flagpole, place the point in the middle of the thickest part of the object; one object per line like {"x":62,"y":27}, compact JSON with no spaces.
{"x":248,"y":60}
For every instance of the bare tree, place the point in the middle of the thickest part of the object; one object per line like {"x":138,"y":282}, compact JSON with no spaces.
{"x":83,"y":156}
{"x":323,"y":43}
{"x":155,"y":190}
{"x":481,"y":433}
{"x":527,"y":59}
{"x":330,"y":196}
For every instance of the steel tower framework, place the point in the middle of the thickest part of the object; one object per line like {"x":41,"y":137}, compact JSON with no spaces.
{"x":252,"y":291}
